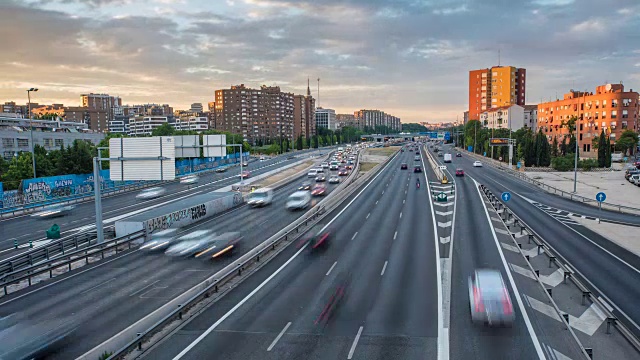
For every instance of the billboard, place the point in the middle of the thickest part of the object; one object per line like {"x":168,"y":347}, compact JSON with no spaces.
{"x":187,"y":146}
{"x":151,"y":158}
{"x":213,"y":145}
{"x":498,"y":141}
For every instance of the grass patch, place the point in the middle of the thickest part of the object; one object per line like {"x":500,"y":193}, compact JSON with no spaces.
{"x":366,"y":166}
{"x":388,"y":151}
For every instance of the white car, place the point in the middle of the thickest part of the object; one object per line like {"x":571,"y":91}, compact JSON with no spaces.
{"x":477,"y":164}
{"x":312,"y":173}
{"x":191,"y":244}
{"x":151,"y":193}
{"x":260,"y":197}
{"x":298,"y":200}
{"x":325,"y":165}
{"x":189,"y":179}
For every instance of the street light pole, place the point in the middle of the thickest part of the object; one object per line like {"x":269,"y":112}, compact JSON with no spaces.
{"x":475,"y":136}
{"x":33,"y":147}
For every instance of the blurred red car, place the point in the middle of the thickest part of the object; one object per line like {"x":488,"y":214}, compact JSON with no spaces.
{"x":245,"y":174}
{"x":459,"y":172}
{"x":343,"y":172}
{"x":319,"y":190}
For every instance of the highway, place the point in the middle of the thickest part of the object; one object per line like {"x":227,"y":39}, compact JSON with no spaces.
{"x":25,"y":228}
{"x":383,"y":242}
{"x":108,"y":296}
{"x":591,"y":254}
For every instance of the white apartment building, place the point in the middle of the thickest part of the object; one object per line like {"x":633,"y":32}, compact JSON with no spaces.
{"x":195,"y":123}
{"x":139,"y":126}
{"x":326,"y":118}
{"x":504,"y":117}
{"x":531,"y":117}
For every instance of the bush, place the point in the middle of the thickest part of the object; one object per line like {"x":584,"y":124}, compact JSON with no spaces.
{"x":105,"y":355}
{"x":563,"y":163}
{"x":588,"y":164}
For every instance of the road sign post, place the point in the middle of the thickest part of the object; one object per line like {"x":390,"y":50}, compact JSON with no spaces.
{"x":506,"y":196}
{"x":600,"y":197}
{"x":441,"y":197}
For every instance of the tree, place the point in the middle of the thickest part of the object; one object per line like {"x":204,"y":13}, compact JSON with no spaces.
{"x":529,"y":150}
{"x":299,"y":143}
{"x":607,"y":153}
{"x":602,"y":150}
{"x":163,"y":130}
{"x":555,"y":152}
{"x":314,"y":142}
{"x":628,"y":141}
{"x":541,"y":149}
{"x":414,"y":128}
{"x":19,"y":168}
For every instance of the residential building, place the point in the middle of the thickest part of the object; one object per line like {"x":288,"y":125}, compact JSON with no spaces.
{"x":119,"y":124}
{"x":260,"y":115}
{"x":10,"y":107}
{"x":197,"y":107}
{"x":326,"y":118}
{"x":144,"y":125}
{"x":304,"y":115}
{"x":504,"y":117}
{"x":347,"y":120}
{"x":609,"y":108}
{"x":15,"y":135}
{"x":191,"y":122}
{"x":531,"y":117}
{"x":373,"y":118}
{"x":465,"y":119}
{"x":55,"y":109}
{"x":148,"y":110}
{"x":495,"y":87}
{"x":102,"y":102}
{"x":97,"y":120}
{"x":211,"y":114}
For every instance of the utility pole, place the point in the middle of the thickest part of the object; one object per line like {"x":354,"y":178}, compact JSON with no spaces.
{"x":33,"y":146}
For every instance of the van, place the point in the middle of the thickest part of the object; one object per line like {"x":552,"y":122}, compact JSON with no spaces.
{"x":260,"y":197}
{"x":447,"y":158}
{"x":298,"y":200}
{"x":312,"y":173}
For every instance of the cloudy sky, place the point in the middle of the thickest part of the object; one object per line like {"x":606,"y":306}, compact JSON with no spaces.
{"x":407,"y":57}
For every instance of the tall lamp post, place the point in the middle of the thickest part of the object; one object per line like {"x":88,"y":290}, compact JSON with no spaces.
{"x":33,"y":151}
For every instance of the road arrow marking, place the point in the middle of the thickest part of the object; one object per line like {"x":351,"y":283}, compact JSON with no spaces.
{"x":443,"y":204}
{"x":531,"y":252}
{"x":588,"y":322}
{"x":502,"y":231}
{"x":495,"y":219}
{"x":444,"y":225}
{"x":445,"y":239}
{"x":558,"y":355}
{"x":447,"y":187}
{"x":553,"y":280}
{"x":444,"y":213}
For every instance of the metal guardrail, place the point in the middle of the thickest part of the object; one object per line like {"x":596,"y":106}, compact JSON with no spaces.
{"x":270,"y":246}
{"x":49,"y":251}
{"x":569,"y":273}
{"x":67,"y":259}
{"x":550,"y":189}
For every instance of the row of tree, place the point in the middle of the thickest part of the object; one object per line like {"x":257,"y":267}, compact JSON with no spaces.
{"x":534,"y":148}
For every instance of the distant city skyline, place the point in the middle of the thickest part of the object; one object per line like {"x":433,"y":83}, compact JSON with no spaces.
{"x":180,"y":51}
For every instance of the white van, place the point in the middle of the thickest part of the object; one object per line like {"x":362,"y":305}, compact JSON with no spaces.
{"x":447,"y":158}
{"x":260,"y":197}
{"x":312,"y":173}
{"x":298,"y":200}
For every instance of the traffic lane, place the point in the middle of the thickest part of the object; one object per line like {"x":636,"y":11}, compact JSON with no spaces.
{"x":547,"y":198}
{"x":475,"y":248}
{"x":22,"y":228}
{"x":139,"y":283}
{"x":297,"y":292}
{"x":590,"y":260}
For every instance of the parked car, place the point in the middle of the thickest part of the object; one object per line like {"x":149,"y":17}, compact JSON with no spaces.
{"x":151,"y":193}
{"x":635,"y":179}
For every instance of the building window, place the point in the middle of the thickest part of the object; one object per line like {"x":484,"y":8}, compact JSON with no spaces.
{"x":604,"y":114}
{"x":23,"y":142}
{"x":8,"y":142}
{"x":626,"y":102}
{"x":604,"y":104}
{"x":614,"y":114}
{"x":48,"y":142}
{"x":614,"y":103}
{"x":625,"y":114}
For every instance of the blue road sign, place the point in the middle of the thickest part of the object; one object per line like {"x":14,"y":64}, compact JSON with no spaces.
{"x":601,"y":196}
{"x":506,"y":196}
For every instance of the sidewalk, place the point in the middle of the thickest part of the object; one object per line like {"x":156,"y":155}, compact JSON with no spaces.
{"x":618,"y":190}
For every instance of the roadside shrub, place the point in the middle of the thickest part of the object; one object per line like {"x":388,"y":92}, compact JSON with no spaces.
{"x":588,"y":164}
{"x":105,"y":355}
{"x":562,"y":163}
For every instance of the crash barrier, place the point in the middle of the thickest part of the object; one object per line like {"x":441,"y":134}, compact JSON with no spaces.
{"x":553,"y":190}
{"x":434,"y":165}
{"x":259,"y":256}
{"x":68,"y":259}
{"x":569,"y":273}
{"x":50,"y":251}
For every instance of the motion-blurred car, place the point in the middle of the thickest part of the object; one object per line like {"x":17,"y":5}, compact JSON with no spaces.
{"x":321,"y":178}
{"x":245,"y":174}
{"x":304,"y":186}
{"x":245,"y":163}
{"x":404,"y":166}
{"x":325,"y":165}
{"x":334,"y":179}
{"x":53,"y":211}
{"x":458,"y":155}
{"x":319,"y":190}
{"x":477,"y":164}
{"x":418,"y":152}
{"x":459,"y":172}
{"x":191,"y":244}
{"x":417,"y":158}
{"x":298,"y":200}
{"x":151,"y":193}
{"x":318,"y":237}
{"x":260,"y":197}
{"x":489,"y":299}
{"x":221,"y":169}
{"x":189,"y":180}
{"x":417,"y":169}
{"x":334,"y":296}
{"x":24,"y":338}
{"x":343,"y":172}
{"x":349,"y":167}
{"x":221,"y":244}
{"x":440,"y":154}
{"x":160,"y":240}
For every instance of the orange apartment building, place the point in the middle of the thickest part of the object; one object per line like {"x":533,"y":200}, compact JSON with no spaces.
{"x":609,"y":108}
{"x":495,"y":87}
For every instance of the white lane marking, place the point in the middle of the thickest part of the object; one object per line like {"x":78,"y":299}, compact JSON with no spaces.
{"x":400,"y":214}
{"x":275,"y":341}
{"x":405,"y":191}
{"x":395,"y":235}
{"x":382,"y":192}
{"x":384,"y":268}
{"x":531,"y":252}
{"x":444,"y":224}
{"x":67,"y":278}
{"x":443,"y":332}
{"x":403,"y":201}
{"x":139,"y":290}
{"x":355,"y":343}
{"x":331,"y":268}
{"x":376,"y":202}
{"x":518,"y":297}
{"x":554,"y":279}
{"x":502,"y":231}
{"x":588,"y":322}
{"x":444,"y":213}
{"x":444,"y":204}
{"x":267,"y":280}
{"x":369,"y":214}
{"x":97,"y":286}
{"x":445,"y":239}
{"x":558,"y":355}
{"x":354,"y":235}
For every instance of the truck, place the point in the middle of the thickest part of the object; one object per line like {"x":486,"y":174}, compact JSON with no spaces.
{"x":447,"y":158}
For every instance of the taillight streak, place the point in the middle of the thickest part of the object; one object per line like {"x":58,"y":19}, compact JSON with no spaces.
{"x":506,"y":302}
{"x":477,"y":302}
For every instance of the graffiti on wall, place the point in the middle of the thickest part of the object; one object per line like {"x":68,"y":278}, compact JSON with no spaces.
{"x":165,"y":221}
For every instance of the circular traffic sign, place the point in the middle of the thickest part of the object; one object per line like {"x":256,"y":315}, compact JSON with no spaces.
{"x":600,"y":197}
{"x":500,"y":158}
{"x":506,"y":196}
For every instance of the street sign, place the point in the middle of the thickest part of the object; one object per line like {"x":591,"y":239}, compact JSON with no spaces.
{"x":441,"y":197}
{"x":498,"y":141}
{"x":506,"y":196}
{"x":149,"y":158}
{"x":601,"y":197}
{"x":442,"y":167}
{"x":500,"y":158}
